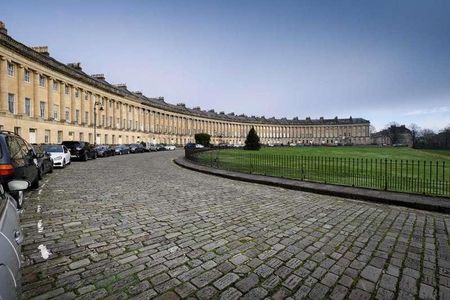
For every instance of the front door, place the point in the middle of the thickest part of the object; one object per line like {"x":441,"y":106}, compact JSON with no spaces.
{"x":32,"y":136}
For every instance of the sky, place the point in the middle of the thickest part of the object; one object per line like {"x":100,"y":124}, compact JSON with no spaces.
{"x":380,"y":60}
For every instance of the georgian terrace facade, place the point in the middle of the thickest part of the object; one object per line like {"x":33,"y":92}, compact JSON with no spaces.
{"x":46,"y":101}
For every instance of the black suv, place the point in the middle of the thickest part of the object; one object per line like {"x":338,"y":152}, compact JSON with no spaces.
{"x":81,"y":150}
{"x":17,"y":161}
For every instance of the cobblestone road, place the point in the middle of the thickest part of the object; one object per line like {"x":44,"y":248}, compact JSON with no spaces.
{"x":137,"y":226}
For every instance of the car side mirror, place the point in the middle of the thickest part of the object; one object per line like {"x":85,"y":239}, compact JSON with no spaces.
{"x":47,"y":154}
{"x":18,"y":185}
{"x":32,"y":154}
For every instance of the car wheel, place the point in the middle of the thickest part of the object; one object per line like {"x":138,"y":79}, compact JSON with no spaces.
{"x":64,"y":163}
{"x":35,"y":183}
{"x":51,"y":169}
{"x":85,"y":157}
{"x":41,"y":172}
{"x":95,"y":155}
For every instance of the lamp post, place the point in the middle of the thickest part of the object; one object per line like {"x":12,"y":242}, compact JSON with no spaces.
{"x":96,"y":103}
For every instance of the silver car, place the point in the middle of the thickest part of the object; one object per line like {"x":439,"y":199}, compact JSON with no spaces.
{"x":10,"y":239}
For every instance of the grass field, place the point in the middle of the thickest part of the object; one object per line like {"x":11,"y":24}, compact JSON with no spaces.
{"x":397,"y":169}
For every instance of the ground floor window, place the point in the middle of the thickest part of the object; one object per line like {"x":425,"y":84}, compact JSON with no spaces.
{"x":17,"y":131}
{"x":60,"y":136}
{"x":47,"y":137}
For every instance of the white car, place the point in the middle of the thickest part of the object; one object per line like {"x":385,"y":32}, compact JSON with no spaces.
{"x":199,"y":146}
{"x":59,"y":153}
{"x":170,"y":147}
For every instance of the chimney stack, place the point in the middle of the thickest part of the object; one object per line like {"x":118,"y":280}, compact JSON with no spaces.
{"x":121,"y":86}
{"x":76,"y":66}
{"x":99,"y":76}
{"x":42,"y":50}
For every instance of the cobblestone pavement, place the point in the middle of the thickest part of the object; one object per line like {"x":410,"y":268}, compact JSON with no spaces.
{"x":138,"y":226}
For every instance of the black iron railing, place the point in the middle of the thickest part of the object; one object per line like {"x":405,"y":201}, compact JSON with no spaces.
{"x":411,"y":176}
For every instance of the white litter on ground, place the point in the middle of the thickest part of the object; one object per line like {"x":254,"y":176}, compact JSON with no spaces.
{"x":40,"y":227}
{"x":45,"y":253}
{"x":173,"y":249}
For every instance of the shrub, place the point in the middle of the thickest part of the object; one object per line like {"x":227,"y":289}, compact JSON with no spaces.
{"x":202,"y":139}
{"x":252,"y":141}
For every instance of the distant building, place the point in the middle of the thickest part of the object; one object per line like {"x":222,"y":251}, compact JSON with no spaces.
{"x":394,"y":135}
{"x":47,"y":101}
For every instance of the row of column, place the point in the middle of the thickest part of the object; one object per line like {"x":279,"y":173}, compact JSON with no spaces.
{"x":116,"y":114}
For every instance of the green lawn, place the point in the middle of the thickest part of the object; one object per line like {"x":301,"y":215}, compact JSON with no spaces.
{"x":397,"y":169}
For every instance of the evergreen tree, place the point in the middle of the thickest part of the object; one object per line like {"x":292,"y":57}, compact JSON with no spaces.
{"x":252,"y":141}
{"x":202,"y":139}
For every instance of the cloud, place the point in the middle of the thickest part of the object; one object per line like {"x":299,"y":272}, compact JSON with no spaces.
{"x":435,"y":110}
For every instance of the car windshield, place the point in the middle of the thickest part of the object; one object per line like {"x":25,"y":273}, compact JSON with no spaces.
{"x":53,"y":148}
{"x":71,"y":144}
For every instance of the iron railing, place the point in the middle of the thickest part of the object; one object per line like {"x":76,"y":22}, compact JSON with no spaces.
{"x":410,"y":176}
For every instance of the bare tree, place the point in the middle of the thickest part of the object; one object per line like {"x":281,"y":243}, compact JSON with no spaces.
{"x":372,"y":129}
{"x":415,"y":132}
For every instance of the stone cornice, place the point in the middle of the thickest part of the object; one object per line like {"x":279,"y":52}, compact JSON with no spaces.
{"x":51,"y":63}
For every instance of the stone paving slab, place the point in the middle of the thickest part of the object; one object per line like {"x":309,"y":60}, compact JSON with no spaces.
{"x":140,"y":227}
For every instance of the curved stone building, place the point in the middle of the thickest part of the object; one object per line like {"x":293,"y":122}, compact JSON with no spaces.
{"x":46,"y":101}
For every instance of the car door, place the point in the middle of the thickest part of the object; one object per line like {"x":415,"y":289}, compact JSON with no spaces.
{"x":16,"y":155}
{"x":22,"y":157}
{"x":66,"y":153}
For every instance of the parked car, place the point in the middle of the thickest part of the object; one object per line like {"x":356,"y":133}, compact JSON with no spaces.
{"x":190,"y":146}
{"x":199,"y":146}
{"x":170,"y":147}
{"x":121,"y":149}
{"x":17,"y":161}
{"x":59,"y":153}
{"x":81,"y":150}
{"x":136,"y":148}
{"x":44,"y":161}
{"x":10,"y":239}
{"x":160,"y":147}
{"x":153,"y":147}
{"x":104,"y":151}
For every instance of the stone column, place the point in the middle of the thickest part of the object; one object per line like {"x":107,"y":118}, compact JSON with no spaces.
{"x":62,"y":102}
{"x":107,"y":112}
{"x":50,"y":100}
{"x":82,"y":108}
{"x":91,"y":109}
{"x":72,"y":104}
{"x":114,"y":114}
{"x":121,"y":115}
{"x":35,"y":94}
{"x":3,"y":86}
{"x":20,"y":92}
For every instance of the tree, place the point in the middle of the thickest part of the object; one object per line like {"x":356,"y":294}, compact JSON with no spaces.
{"x":372,"y":129}
{"x":202,"y":139}
{"x":391,"y":131}
{"x":415,"y":131}
{"x":252,"y":141}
